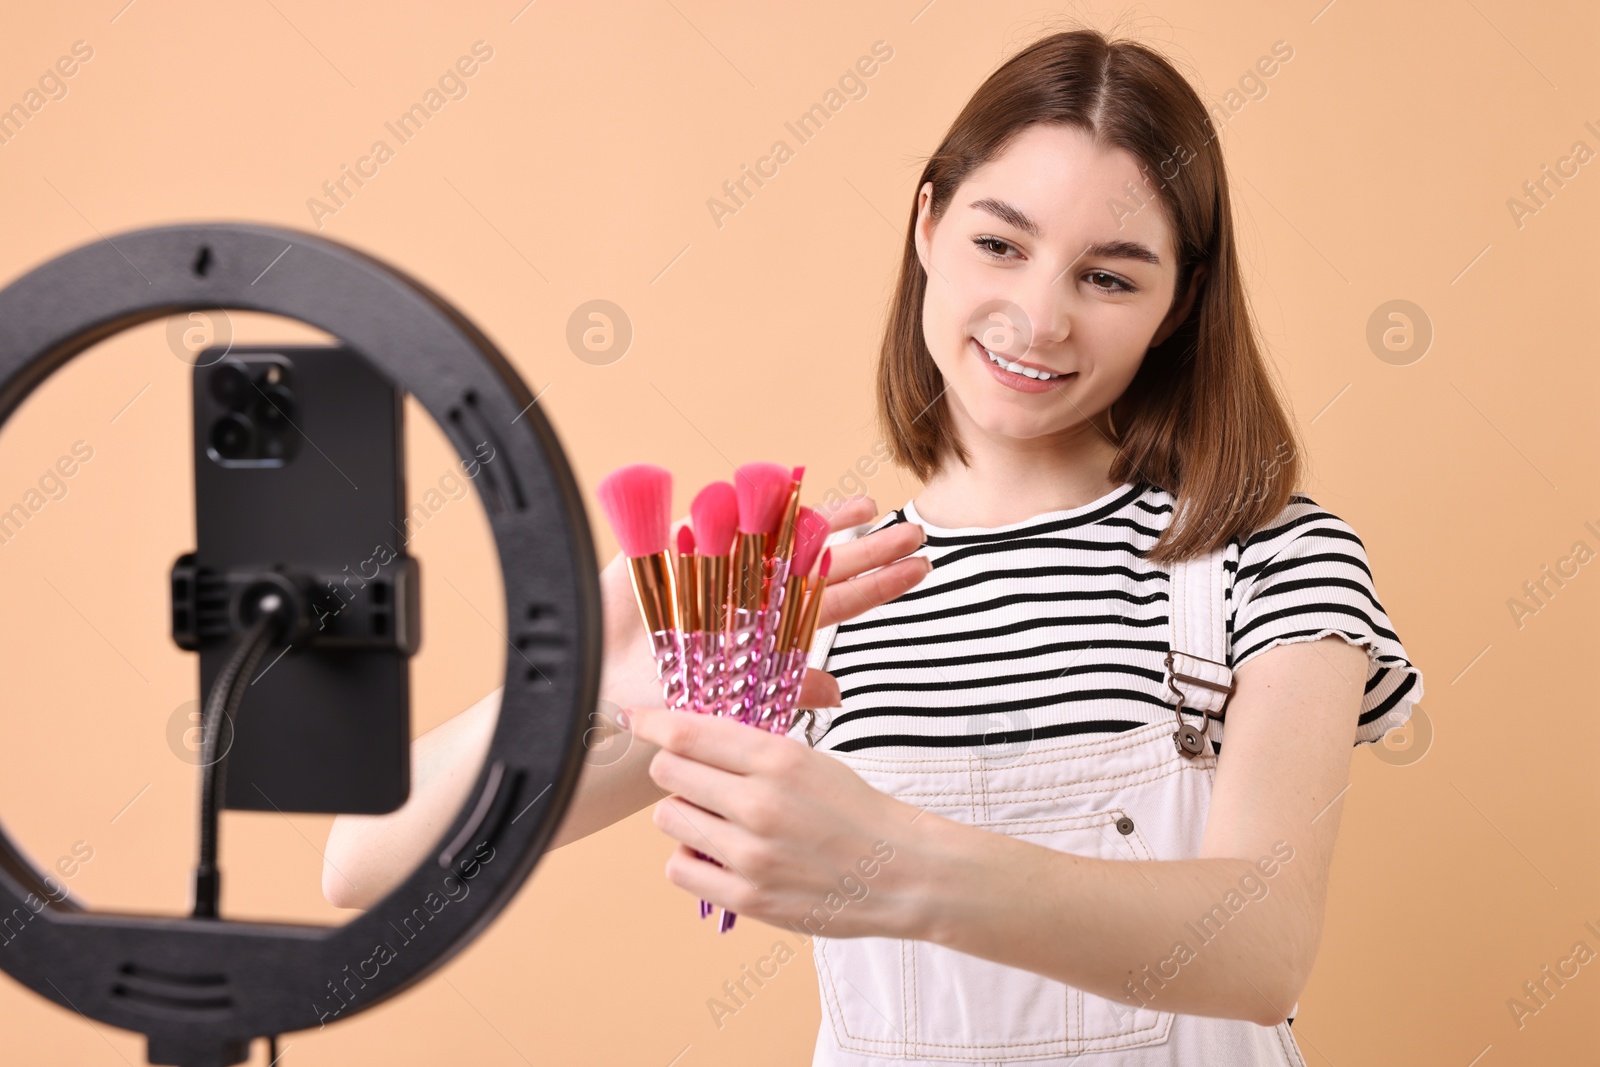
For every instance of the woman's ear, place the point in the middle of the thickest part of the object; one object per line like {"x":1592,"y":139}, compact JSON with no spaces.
{"x":922,"y":231}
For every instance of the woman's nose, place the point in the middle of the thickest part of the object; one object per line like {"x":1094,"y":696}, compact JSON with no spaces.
{"x":1045,"y":303}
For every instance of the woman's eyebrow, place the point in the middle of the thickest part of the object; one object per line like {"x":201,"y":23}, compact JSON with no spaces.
{"x":1120,"y":249}
{"x":1009,"y":215}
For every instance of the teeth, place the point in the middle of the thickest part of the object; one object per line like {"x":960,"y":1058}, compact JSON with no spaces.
{"x":1017,"y":368}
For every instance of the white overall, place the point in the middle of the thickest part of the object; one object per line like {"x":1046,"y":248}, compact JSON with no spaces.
{"x":888,"y":1002}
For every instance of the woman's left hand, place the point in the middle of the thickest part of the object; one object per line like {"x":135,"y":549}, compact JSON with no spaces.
{"x":804,"y":841}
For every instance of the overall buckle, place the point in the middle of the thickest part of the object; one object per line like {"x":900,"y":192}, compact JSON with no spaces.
{"x":1188,"y":739}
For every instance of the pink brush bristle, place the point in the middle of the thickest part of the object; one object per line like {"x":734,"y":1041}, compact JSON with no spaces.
{"x":685,"y":541}
{"x":638,"y":502}
{"x":715,"y":513}
{"x":827,"y":562}
{"x":797,"y":474}
{"x":810,"y":531}
{"x":763,"y":490}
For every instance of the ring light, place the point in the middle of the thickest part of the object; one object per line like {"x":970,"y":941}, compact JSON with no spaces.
{"x":203,"y":989}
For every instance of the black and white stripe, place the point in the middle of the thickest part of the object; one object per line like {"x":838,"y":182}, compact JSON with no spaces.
{"x":1057,"y":625}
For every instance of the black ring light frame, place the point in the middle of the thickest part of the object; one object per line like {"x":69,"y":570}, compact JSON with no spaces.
{"x":202,"y":989}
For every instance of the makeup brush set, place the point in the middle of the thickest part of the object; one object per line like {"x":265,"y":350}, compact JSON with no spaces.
{"x":731,"y":608}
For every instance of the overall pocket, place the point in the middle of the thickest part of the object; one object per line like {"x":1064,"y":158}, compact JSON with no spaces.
{"x":915,"y":999}
{"x":864,"y":982}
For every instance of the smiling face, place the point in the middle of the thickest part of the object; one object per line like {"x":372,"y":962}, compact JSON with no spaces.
{"x":1045,"y":258}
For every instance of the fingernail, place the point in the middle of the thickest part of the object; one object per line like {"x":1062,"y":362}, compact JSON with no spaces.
{"x":622,"y":718}
{"x":922,"y":535}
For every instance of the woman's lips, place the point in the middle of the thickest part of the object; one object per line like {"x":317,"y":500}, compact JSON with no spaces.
{"x":1020,"y":382}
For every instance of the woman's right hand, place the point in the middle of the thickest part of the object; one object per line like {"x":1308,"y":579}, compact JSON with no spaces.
{"x":873,"y":569}
{"x":865,"y":572}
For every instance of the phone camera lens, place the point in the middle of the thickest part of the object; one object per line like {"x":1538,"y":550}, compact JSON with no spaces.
{"x":232,"y":436}
{"x":276,"y":406}
{"x":230,"y":385}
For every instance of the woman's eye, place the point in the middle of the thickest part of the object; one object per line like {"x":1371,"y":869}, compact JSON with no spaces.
{"x":987,"y":245}
{"x":1124,"y":287}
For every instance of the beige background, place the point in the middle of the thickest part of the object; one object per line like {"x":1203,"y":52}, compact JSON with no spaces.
{"x":1377,"y":165}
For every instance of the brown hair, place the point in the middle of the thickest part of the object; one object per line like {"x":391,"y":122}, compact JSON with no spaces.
{"x":1202,"y":418}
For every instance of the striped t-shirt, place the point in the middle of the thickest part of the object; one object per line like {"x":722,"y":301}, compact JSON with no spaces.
{"x":1058,"y":625}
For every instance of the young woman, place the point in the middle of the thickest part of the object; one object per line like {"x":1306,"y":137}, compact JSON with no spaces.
{"x":1015,"y":841}
{"x":1010,"y":828}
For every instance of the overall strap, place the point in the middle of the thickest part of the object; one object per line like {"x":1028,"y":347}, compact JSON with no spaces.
{"x":1196,"y":676}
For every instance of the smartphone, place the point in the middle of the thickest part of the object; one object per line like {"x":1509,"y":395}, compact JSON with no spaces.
{"x":298,"y":467}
